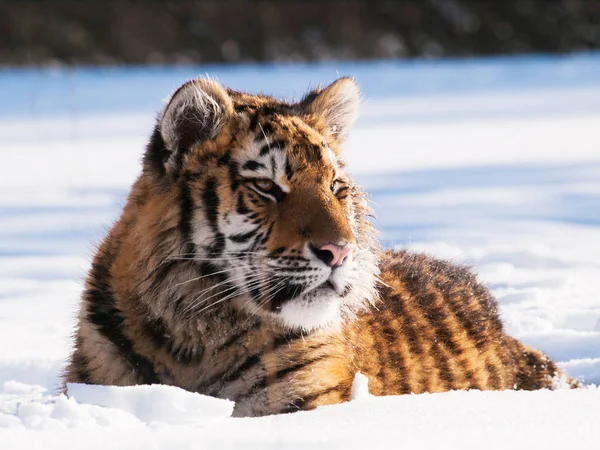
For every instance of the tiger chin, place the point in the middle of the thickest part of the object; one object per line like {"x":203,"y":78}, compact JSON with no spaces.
{"x":245,"y":266}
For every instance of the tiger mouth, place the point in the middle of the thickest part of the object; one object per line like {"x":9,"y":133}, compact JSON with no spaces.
{"x":293,"y":291}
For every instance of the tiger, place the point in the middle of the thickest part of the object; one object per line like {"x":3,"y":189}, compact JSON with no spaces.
{"x":246,"y":266}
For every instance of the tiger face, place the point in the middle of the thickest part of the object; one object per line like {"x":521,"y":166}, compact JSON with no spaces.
{"x":266,"y":205}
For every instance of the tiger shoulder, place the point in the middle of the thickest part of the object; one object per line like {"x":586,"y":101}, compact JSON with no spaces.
{"x":245,"y":266}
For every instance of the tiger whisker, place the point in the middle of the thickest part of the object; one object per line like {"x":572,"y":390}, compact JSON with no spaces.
{"x":237,"y":291}
{"x":244,"y":290}
{"x":199,"y":300}
{"x":273,"y":289}
{"x":229,"y":296}
{"x":191,"y":280}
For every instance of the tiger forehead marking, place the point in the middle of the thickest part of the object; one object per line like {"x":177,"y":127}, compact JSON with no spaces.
{"x":244,"y":265}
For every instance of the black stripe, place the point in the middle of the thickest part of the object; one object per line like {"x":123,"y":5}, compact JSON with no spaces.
{"x":157,"y":276}
{"x":161,"y":336}
{"x":266,"y":149}
{"x":187,"y":355}
{"x":157,"y":330}
{"x":316,"y":153}
{"x":103,"y":313}
{"x":211,"y":203}
{"x":267,"y":128}
{"x":435,"y":313}
{"x":267,"y":234}
{"x":186,"y":207}
{"x":273,"y":166}
{"x":207,"y":268}
{"x":441,"y":362}
{"x":301,"y":403}
{"x":234,"y":181}
{"x":287,"y":338}
{"x":476,"y":322}
{"x":241,"y":238}
{"x":494,"y":376}
{"x":288,"y":168}
{"x":240,"y":107}
{"x":254,"y":121}
{"x":237,"y":337}
{"x":264,"y":381}
{"x":279,"y":144}
{"x":415,"y":343}
{"x":80,"y":366}
{"x":248,"y":364}
{"x":374,"y":324}
{"x":253,"y":165}
{"x":296,"y":367}
{"x":408,"y":325}
{"x":443,"y":334}
{"x":475,"y":328}
{"x":395,"y":358}
{"x":397,"y":361}
{"x":241,"y":205}
{"x":225,"y":159}
{"x":156,"y":153}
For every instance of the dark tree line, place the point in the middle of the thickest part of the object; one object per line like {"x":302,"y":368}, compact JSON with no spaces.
{"x":184,"y":31}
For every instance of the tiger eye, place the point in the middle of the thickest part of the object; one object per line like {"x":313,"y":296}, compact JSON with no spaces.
{"x":264,"y":184}
{"x":334,"y":185}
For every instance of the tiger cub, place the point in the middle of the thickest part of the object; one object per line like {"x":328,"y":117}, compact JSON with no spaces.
{"x":245,"y":266}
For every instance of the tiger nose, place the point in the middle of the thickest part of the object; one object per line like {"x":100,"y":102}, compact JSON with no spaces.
{"x":333,"y":255}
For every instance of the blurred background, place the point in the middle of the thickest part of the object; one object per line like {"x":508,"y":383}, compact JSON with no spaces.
{"x":110,"y":32}
{"x":477,"y":140}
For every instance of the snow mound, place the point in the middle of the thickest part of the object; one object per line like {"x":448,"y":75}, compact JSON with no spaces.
{"x":153,"y":403}
{"x":360,"y":387}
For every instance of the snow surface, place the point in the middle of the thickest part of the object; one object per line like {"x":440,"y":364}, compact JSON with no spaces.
{"x":490,"y":163}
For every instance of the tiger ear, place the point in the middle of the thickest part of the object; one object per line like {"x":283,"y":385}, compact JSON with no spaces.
{"x":337,"y":105}
{"x":195,"y":112}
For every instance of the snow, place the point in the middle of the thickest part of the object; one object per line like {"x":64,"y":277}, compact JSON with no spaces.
{"x":490,"y":163}
{"x":465,"y":420}
{"x":360,"y":387}
{"x":158,"y":403}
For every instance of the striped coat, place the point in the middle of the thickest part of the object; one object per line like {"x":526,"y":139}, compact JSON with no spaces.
{"x":245,"y":266}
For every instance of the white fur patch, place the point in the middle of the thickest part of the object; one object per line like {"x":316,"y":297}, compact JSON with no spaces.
{"x":312,"y":314}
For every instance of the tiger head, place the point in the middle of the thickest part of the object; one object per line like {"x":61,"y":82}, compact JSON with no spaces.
{"x":266,"y":205}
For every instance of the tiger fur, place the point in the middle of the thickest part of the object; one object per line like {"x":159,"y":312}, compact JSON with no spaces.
{"x":245,"y":266}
